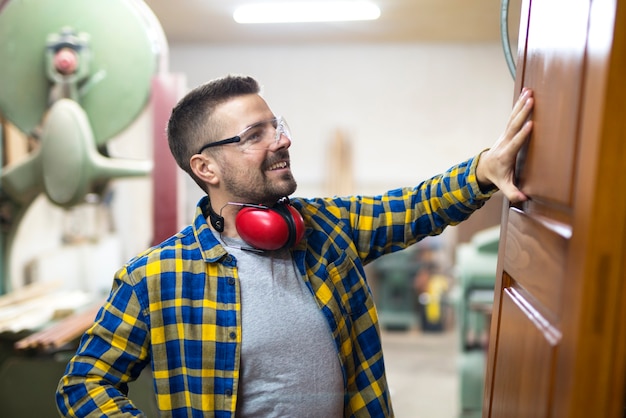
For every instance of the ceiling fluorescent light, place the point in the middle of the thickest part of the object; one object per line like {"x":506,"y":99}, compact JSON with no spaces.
{"x":307,"y":11}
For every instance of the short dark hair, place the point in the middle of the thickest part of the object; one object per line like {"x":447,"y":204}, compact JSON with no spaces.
{"x":191,"y":125}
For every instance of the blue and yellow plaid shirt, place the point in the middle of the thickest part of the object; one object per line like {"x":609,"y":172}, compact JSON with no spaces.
{"x":177,"y":306}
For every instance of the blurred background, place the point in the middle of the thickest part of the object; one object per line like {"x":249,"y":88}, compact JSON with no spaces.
{"x":372,"y":105}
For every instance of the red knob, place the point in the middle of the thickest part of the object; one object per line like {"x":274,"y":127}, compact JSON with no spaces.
{"x":66,"y":61}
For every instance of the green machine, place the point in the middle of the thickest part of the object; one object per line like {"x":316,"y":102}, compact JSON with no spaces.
{"x":395,"y":297}
{"x":73,"y":75}
{"x":476,"y":264}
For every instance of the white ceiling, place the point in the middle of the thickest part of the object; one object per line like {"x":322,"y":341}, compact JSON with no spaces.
{"x":210,"y":21}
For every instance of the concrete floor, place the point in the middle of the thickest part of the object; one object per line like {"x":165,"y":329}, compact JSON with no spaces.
{"x":422,"y":373}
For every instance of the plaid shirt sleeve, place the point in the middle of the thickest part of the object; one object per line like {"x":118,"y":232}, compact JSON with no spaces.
{"x":112,"y":353}
{"x":390,"y":222}
{"x":175,"y":307}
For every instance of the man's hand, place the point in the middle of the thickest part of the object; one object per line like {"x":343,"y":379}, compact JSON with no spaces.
{"x":497,"y":164}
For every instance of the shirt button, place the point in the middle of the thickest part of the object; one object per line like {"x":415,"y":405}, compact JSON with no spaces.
{"x":231,"y":281}
{"x":229,"y":259}
{"x":233,"y":335}
{"x":228,"y":392}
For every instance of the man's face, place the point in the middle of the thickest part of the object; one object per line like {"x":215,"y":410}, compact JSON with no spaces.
{"x":259,"y":176}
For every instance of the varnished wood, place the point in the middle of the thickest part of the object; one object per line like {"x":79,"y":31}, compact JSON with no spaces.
{"x":528,"y":348}
{"x":558,"y":340}
{"x":534,"y":254}
{"x":555,"y":45}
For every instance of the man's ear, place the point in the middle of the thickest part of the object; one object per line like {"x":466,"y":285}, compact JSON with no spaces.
{"x":205,"y":168}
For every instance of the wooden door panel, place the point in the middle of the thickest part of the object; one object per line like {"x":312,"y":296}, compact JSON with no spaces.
{"x":555,"y":52}
{"x":558,"y":336}
{"x":534,"y":254}
{"x":527,"y":346}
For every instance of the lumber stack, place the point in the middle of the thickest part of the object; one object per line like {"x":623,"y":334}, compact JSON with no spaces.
{"x":50,"y":315}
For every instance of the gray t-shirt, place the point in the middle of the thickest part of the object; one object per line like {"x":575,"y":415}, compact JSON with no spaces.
{"x":289,"y":361}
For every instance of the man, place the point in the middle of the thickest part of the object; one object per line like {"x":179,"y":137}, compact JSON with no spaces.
{"x":238,"y":320}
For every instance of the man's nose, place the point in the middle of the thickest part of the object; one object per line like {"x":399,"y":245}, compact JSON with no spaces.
{"x":283,"y":141}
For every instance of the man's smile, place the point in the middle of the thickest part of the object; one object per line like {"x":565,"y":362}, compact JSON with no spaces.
{"x":278,"y":166}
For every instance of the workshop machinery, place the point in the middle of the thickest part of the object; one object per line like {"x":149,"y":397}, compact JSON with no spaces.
{"x":74,"y":75}
{"x":476,"y":263}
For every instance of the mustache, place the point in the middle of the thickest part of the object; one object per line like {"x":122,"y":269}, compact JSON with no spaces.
{"x":277,"y":157}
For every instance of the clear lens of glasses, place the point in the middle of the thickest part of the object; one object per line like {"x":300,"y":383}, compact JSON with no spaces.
{"x":264,"y":134}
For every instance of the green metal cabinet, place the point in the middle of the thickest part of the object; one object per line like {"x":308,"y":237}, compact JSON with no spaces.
{"x":28,"y":383}
{"x":476,"y":264}
{"x":395,"y":298}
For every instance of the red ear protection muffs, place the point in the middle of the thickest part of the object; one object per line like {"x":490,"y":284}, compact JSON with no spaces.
{"x":265,"y":228}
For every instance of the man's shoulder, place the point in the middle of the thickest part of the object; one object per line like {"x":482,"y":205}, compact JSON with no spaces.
{"x":165,"y":250}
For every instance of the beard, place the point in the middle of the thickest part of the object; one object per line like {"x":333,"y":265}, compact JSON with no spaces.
{"x":249,"y":186}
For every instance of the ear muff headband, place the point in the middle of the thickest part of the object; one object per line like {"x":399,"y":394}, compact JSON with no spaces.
{"x":217,"y":221}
